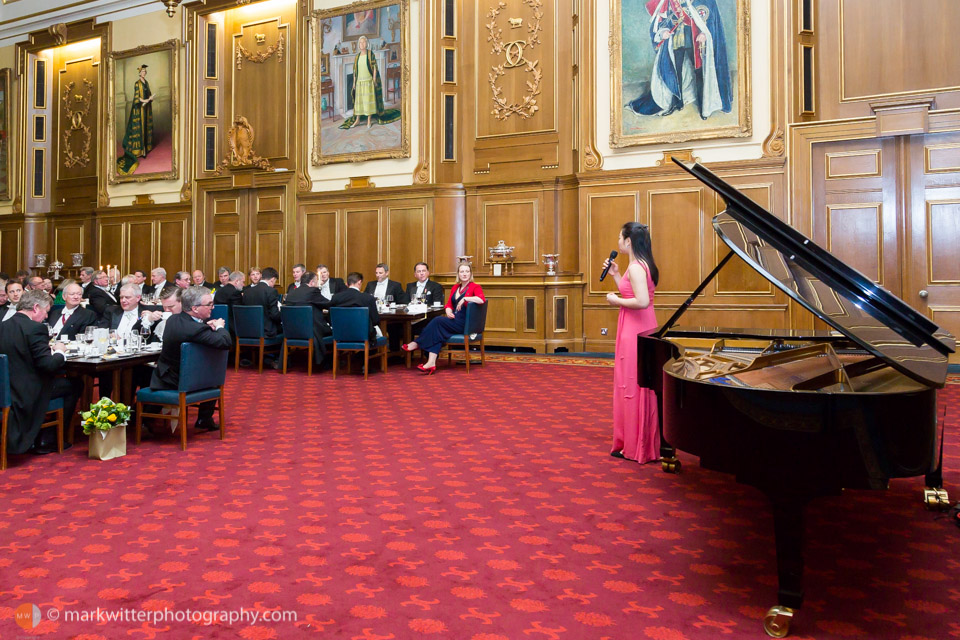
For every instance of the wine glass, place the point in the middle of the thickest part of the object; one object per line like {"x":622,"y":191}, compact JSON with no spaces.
{"x":389,"y":300}
{"x":88,"y":335}
{"x":144,"y":334}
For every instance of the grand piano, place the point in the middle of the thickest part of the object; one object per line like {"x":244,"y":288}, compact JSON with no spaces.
{"x":806,"y":414}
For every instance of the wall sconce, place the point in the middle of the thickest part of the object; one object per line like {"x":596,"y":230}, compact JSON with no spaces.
{"x":171,"y":6}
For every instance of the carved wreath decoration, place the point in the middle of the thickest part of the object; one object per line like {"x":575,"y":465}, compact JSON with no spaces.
{"x":513,"y":54}
{"x":241,"y":153}
{"x":260,"y":56}
{"x":76,"y":107}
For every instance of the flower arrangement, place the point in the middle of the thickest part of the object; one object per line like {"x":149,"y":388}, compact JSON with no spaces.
{"x":104,"y":414}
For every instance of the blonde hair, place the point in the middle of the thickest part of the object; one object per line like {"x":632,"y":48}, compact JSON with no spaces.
{"x":468,"y":266}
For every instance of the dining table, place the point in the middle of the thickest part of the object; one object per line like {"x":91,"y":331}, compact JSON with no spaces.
{"x":401,"y":316}
{"x":120,"y":366}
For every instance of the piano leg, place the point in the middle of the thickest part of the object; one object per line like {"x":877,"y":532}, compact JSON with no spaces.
{"x":788,"y":533}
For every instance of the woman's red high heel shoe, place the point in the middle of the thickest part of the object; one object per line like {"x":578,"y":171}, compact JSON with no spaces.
{"x":427,"y":370}
{"x":406,"y":347}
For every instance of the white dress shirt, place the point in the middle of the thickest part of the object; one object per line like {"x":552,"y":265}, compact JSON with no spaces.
{"x":160,"y":325}
{"x":380,"y":293}
{"x":127,"y":321}
{"x":325,"y":290}
{"x":421,"y":287}
{"x":11,"y":309}
{"x":62,"y":320}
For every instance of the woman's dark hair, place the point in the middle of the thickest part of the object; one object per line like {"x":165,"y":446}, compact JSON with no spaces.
{"x":639,"y":236}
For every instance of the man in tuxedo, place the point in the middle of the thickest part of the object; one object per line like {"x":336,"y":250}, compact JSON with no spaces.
{"x":223,"y":275}
{"x":229,"y":292}
{"x":353,"y":297}
{"x":34,"y":283}
{"x":139,"y":279}
{"x":308,"y":294}
{"x":14,"y":290}
{"x":126,"y":317}
{"x":3,"y":297}
{"x":25,"y":341}
{"x":181,"y":279}
{"x":156,"y":321}
{"x":328,"y":286}
{"x":264,"y":294}
{"x":423,"y":287}
{"x":200,"y":280}
{"x":72,"y":318}
{"x":298,"y":271}
{"x":86,"y":277}
{"x":192,"y":324}
{"x":158,"y":278}
{"x":385,"y":289}
{"x":99,"y":295}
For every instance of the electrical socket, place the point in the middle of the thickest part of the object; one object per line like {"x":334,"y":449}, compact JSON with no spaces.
{"x":603,"y":331}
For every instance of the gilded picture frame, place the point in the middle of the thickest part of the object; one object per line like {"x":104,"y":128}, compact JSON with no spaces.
{"x":680,"y":70}
{"x":340,"y":133}
{"x":6,"y":132}
{"x":141,"y":142}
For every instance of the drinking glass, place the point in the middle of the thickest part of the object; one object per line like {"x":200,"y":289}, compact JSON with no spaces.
{"x":144,"y":334}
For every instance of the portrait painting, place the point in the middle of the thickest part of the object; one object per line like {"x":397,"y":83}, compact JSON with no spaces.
{"x":360,"y":85}
{"x":680,"y":70}
{"x":142,"y":113}
{"x":6,"y":122}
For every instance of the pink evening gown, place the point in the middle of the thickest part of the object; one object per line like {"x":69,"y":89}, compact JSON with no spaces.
{"x":635,"y":428}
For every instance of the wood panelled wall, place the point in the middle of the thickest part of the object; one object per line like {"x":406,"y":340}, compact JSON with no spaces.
{"x":863,"y":155}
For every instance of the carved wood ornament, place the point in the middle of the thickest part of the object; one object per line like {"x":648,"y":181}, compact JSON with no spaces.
{"x":242,"y":155}
{"x":260,"y":56}
{"x":76,"y":107}
{"x":513,"y":53}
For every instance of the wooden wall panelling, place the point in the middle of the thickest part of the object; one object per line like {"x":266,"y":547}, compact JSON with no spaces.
{"x":853,"y":70}
{"x":269,"y":250}
{"x":677,"y":217}
{"x":141,"y":247}
{"x":531,"y":93}
{"x":406,"y":245}
{"x":68,"y":238}
{"x":111,"y":241}
{"x":449,"y":230}
{"x":173,"y":243}
{"x":933,"y":262}
{"x":362,"y":242}
{"x":516,"y":221}
{"x":321,"y":239}
{"x":229,"y":235}
{"x":11,"y":257}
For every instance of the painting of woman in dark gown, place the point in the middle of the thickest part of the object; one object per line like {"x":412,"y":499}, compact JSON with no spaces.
{"x":138,"y":136}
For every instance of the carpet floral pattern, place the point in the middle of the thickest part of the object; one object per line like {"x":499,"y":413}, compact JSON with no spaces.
{"x":471,"y":507}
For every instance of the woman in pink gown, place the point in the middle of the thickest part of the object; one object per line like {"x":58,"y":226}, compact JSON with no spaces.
{"x":635,"y":429}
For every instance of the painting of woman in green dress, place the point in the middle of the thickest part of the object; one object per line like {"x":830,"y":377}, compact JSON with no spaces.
{"x":368,"y":90}
{"x":138,"y":137}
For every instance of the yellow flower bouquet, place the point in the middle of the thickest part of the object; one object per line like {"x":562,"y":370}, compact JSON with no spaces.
{"x":104,"y":414}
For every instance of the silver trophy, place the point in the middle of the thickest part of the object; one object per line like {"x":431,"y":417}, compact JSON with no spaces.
{"x":551,"y":260}
{"x":40,"y":260}
{"x":77,"y":259}
{"x":54,"y":270}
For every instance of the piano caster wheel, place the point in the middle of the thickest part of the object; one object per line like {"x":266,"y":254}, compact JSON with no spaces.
{"x":670,"y":465}
{"x":936,"y":499}
{"x":777,"y":621}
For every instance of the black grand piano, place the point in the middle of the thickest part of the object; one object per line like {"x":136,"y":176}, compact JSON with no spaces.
{"x":809,"y":413}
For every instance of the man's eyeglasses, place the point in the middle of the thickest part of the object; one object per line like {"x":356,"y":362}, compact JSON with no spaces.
{"x":209,"y":304}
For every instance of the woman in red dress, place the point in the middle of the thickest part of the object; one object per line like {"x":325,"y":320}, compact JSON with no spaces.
{"x":635,"y":427}
{"x":438,"y":330}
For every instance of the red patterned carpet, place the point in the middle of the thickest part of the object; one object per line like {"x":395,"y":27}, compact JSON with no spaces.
{"x":475,"y":507}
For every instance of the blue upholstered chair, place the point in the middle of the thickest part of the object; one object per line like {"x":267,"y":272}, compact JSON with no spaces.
{"x":55,"y":407}
{"x":221,"y":311}
{"x":248,"y":325}
{"x":298,"y":332}
{"x":351,"y":332}
{"x":475,"y":323}
{"x":203,"y":371}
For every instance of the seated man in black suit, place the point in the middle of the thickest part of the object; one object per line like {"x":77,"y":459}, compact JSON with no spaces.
{"x":156,"y":321}
{"x":126,"y":317}
{"x":181,"y":279}
{"x":254,"y":274}
{"x":265,"y":294}
{"x":33,"y":283}
{"x":328,"y":286}
{"x":158,"y":277}
{"x":353,"y":297}
{"x":99,"y":295}
{"x":223,"y":275}
{"x":298,"y":271}
{"x":423,"y":288}
{"x":86,"y":280}
{"x":193,"y":324}
{"x":200,"y":280}
{"x":308,"y":294}
{"x":229,"y":292}
{"x":26,"y":342}
{"x":72,"y":318}
{"x":385,"y":289}
{"x":13,"y":290}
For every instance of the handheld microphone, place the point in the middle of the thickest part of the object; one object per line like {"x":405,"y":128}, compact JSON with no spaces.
{"x":603,"y":274}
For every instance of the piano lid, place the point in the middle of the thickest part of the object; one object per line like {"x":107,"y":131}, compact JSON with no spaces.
{"x":839,"y":295}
